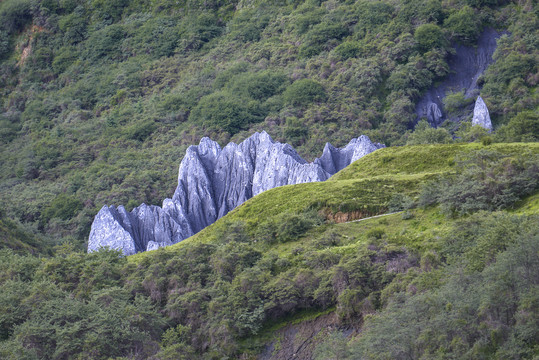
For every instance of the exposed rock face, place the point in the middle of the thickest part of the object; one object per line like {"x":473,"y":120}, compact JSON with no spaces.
{"x":481,"y":116}
{"x":465,"y":67}
{"x":211,"y":182}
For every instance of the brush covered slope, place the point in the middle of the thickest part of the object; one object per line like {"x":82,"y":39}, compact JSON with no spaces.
{"x":287,"y":273}
{"x":99,"y":99}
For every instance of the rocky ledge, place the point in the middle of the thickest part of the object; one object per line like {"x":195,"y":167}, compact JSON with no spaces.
{"x":211,"y":182}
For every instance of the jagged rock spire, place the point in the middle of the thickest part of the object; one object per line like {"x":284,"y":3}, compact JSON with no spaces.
{"x":481,"y":115}
{"x":211,"y":182}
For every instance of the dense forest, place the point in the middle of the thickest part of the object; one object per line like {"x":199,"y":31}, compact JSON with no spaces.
{"x":99,"y":100}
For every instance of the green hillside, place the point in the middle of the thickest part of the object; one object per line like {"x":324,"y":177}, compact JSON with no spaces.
{"x":99,"y":99}
{"x":443,"y":277}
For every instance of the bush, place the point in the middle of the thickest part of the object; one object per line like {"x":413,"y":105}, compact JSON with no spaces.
{"x":109,"y":9}
{"x":524,"y":127}
{"x":348,"y":49}
{"x":4,"y":44}
{"x":225,"y":111}
{"x":15,"y":14}
{"x":304,"y":92}
{"x":428,"y":37}
{"x":63,"y":207}
{"x":292,"y":226}
{"x":105,"y":43}
{"x":454,"y":102}
{"x":258,"y":86}
{"x":319,"y":36}
{"x":485,"y":180}
{"x":425,"y":134}
{"x":464,"y":26}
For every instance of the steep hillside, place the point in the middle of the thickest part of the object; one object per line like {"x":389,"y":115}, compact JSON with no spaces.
{"x":288,"y":272}
{"x":100,"y":99}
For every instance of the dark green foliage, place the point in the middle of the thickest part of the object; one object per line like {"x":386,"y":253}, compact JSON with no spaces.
{"x":429,"y":36}
{"x":455,"y":102}
{"x":41,"y":316}
{"x":4,"y":43}
{"x":291,"y":226}
{"x":258,"y":86}
{"x":140,"y":130}
{"x":106,"y":43}
{"x":463,"y":25}
{"x":317,"y":39}
{"x":485,"y":180}
{"x":523,"y":127}
{"x":304,"y":92}
{"x":295,"y":131}
{"x":15,"y":14}
{"x":63,"y":207}
{"x":371,"y":15}
{"x":225,"y":111}
{"x":466,"y":315}
{"x":109,"y":9}
{"x":425,"y":134}
{"x":348,"y":49}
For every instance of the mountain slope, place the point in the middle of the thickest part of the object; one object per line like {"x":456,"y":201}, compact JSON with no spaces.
{"x":100,"y":98}
{"x":283,"y":263}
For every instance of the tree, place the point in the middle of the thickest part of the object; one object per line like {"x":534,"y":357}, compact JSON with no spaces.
{"x":429,"y":36}
{"x":464,"y":25}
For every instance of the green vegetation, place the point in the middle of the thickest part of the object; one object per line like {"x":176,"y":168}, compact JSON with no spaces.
{"x":286,"y":257}
{"x":99,"y":99}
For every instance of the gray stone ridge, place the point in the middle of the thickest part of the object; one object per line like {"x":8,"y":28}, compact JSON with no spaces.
{"x":481,"y":116}
{"x":211,"y":182}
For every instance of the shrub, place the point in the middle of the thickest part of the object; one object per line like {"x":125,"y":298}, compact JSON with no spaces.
{"x":464,"y":26}
{"x":63,"y":207}
{"x":425,"y":134}
{"x":348,"y":49}
{"x":429,"y":36}
{"x":292,"y":226}
{"x":109,"y":9}
{"x":105,"y":43}
{"x":523,"y":127}
{"x":485,"y":180}
{"x":259,"y":86}
{"x":140,"y":130}
{"x":225,"y":111}
{"x":454,"y":102}
{"x":15,"y":14}
{"x":4,"y":43}
{"x":319,"y":36}
{"x":304,"y":92}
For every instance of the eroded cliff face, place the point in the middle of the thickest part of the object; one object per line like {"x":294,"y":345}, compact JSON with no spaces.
{"x":465,"y":66}
{"x":211,"y":182}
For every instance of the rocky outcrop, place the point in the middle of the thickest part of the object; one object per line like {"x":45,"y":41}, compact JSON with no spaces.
{"x":465,"y":67}
{"x":434,"y":114}
{"x":211,"y":182}
{"x":481,"y":116}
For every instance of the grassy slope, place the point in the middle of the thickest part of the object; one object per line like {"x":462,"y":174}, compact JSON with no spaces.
{"x":367,"y":185}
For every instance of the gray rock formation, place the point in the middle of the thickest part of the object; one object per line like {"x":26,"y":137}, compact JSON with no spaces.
{"x":434,"y":114}
{"x":465,"y":66}
{"x":481,"y":116}
{"x":211,"y":182}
